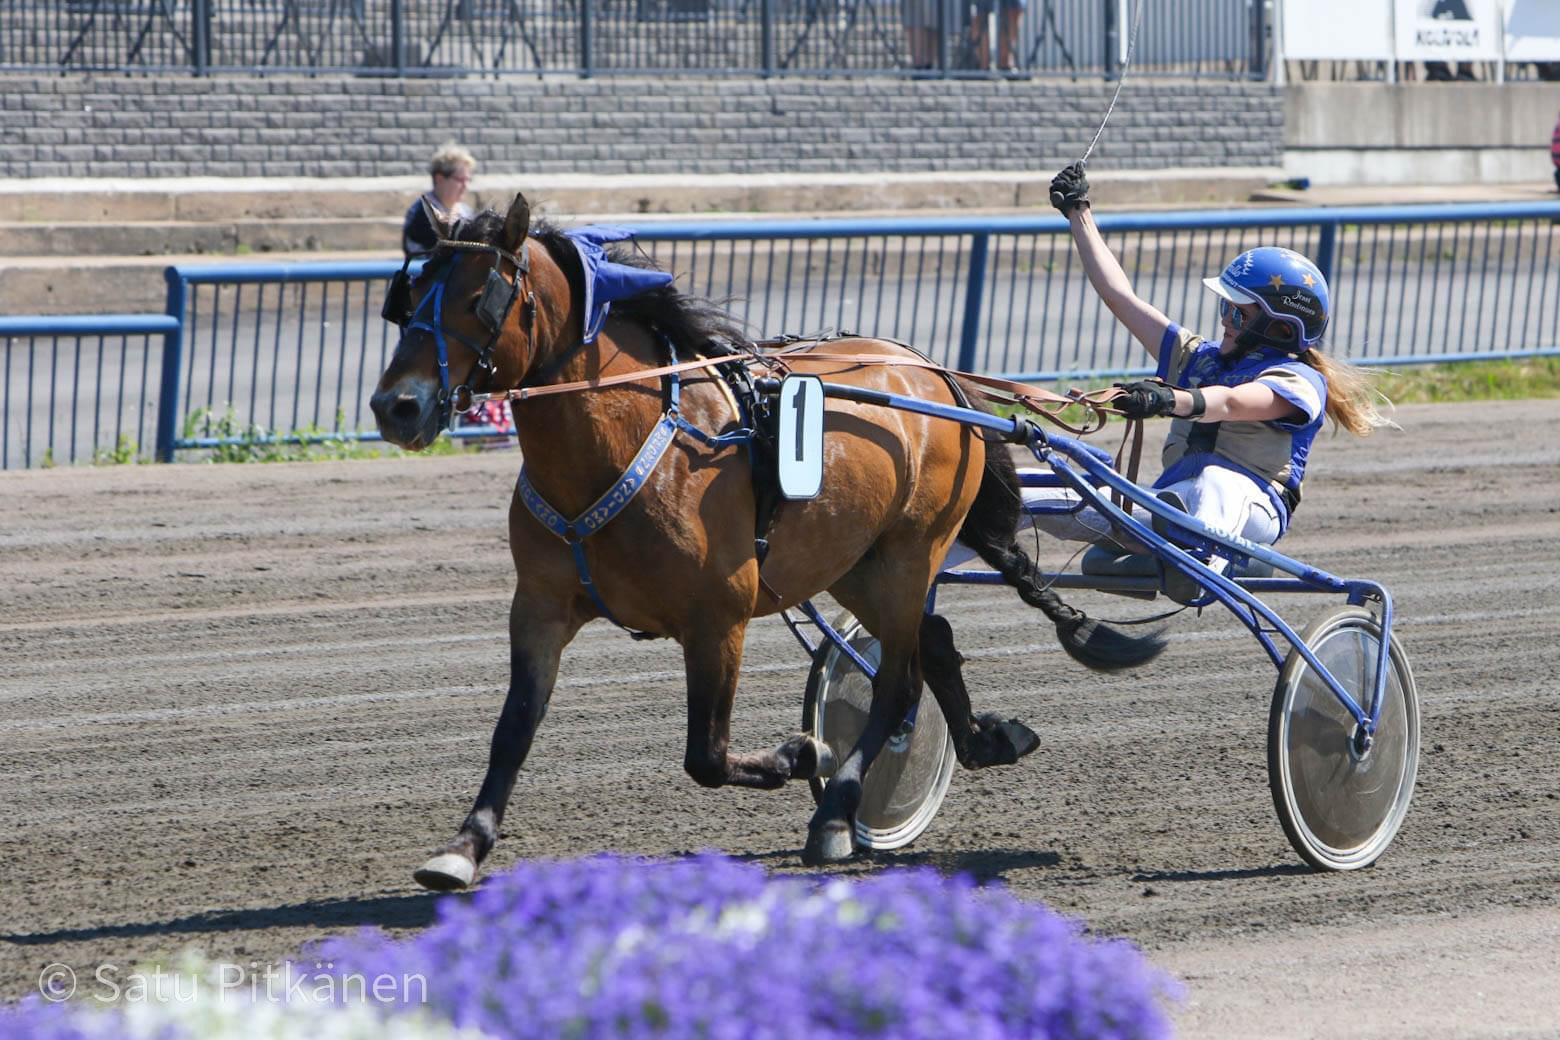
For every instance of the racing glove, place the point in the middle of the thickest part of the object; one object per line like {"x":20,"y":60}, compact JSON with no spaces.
{"x":1144,"y":399}
{"x":1070,"y":188}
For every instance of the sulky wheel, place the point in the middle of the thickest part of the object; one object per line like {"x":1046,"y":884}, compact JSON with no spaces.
{"x":908,"y":779}
{"x":1341,"y":806}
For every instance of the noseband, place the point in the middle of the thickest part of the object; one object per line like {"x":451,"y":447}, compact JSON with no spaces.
{"x":493,"y":307}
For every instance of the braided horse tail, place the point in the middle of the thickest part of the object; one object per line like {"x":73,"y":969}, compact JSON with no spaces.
{"x":991,"y":529}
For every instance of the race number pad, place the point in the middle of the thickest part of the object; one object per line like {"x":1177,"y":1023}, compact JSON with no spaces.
{"x":800,"y":439}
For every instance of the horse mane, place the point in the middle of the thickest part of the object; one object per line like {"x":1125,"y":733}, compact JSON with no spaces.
{"x":692,"y":323}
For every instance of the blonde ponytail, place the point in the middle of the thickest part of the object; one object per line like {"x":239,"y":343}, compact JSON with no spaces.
{"x":1351,"y":394}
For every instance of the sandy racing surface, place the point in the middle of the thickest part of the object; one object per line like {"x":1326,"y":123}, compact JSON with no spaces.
{"x":241,"y":703}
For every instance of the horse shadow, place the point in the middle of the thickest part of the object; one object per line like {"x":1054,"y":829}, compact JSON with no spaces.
{"x":408,"y":911}
{"x":983,"y":865}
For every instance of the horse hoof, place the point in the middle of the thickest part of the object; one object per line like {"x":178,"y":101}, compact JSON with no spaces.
{"x":815,"y":760}
{"x":834,"y":842}
{"x":446,"y":872}
{"x":1020,"y":738}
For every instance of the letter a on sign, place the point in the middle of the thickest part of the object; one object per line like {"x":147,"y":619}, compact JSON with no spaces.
{"x":800,"y":439}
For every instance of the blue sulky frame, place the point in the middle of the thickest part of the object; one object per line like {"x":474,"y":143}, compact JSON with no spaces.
{"x":1088,"y":471}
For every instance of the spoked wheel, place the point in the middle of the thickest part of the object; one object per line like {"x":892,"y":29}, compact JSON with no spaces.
{"x":908,"y":779}
{"x":1340,"y":804}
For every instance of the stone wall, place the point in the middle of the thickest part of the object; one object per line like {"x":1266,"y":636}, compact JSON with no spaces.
{"x":117,"y":126}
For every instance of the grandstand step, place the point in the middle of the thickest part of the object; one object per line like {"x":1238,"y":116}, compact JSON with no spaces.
{"x":175,"y":237}
{"x":115,"y":284}
{"x":223,"y":199}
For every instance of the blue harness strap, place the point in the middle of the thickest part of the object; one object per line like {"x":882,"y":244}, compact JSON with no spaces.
{"x":617,"y":497}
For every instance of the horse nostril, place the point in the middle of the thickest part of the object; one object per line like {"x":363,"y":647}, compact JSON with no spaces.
{"x":406,"y":410}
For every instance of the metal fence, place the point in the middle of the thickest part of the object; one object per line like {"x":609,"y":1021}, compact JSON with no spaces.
{"x":294,"y":350}
{"x":1217,"y":38}
{"x":79,"y":389}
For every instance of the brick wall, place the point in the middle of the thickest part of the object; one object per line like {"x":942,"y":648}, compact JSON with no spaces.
{"x":114,"y":126}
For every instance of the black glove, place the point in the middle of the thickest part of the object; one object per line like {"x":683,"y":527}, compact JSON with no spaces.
{"x":1145,"y":399}
{"x":1070,"y":188}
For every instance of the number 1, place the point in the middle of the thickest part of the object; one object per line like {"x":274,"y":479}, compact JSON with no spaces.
{"x":799,"y":402}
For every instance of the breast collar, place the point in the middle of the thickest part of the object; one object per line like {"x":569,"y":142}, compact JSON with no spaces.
{"x":493,"y":307}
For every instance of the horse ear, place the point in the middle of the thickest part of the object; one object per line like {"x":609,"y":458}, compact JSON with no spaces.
{"x":517,"y":223}
{"x":441,"y":227}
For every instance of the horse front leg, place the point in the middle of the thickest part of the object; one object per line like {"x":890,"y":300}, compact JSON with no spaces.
{"x":713,"y":659}
{"x":534,"y":651}
{"x":978,"y":740}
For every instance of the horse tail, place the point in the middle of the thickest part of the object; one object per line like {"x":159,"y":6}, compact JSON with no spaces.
{"x":991,"y":529}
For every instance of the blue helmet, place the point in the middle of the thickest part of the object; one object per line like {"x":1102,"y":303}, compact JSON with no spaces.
{"x":1290,"y":290}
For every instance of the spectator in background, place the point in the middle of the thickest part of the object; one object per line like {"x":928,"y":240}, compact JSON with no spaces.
{"x":920,"y":20}
{"x":1554,"y":153}
{"x":451,"y":168}
{"x":1008,"y":14}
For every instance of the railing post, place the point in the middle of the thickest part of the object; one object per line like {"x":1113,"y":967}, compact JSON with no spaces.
{"x":1327,"y":251}
{"x":398,"y":37}
{"x":587,"y":61}
{"x":974,"y":296}
{"x":200,"y":36}
{"x":172,"y":359}
{"x":766,"y":35}
{"x":1112,"y":42}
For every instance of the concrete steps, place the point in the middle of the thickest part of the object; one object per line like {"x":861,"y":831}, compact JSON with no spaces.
{"x":186,"y":238}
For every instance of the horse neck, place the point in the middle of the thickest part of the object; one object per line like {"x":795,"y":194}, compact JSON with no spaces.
{"x":576,"y":445}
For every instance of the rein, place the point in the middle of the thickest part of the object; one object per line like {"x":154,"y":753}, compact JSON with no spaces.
{"x":1042,"y":403}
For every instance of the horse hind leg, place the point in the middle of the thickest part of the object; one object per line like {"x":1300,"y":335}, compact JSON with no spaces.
{"x":713,"y":660}
{"x":978,"y":740}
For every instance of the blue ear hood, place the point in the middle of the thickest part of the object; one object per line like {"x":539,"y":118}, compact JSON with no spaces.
{"x":605,"y":280}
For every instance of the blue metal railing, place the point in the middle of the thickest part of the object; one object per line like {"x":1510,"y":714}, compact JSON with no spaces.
{"x":993,"y":294}
{"x":285,"y":351}
{"x":79,"y":388}
{"x":1214,"y":38}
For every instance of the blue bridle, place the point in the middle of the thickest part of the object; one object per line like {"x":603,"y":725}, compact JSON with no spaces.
{"x":493,"y":307}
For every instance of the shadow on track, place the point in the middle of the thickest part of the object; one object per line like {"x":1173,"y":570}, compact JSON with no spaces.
{"x":409,"y":911}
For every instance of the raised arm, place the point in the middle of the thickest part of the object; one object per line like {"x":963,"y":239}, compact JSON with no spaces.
{"x":1070,"y":194}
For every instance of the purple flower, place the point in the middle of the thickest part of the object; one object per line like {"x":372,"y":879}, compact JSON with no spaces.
{"x":625,"y":948}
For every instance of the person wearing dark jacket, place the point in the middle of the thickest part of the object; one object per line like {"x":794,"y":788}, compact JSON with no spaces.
{"x":451,"y":168}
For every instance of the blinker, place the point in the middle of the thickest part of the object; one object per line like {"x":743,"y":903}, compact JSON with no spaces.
{"x":498,"y":295}
{"x":397,"y":308}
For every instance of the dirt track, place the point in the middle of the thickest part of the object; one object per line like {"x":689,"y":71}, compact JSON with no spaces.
{"x":241,"y":703}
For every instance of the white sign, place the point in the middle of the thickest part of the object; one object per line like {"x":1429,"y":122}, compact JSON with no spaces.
{"x":1337,"y":30}
{"x":1532,"y":30}
{"x":800,"y":438}
{"x":1448,"y":30}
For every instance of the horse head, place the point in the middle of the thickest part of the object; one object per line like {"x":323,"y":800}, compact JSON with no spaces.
{"x":468,"y":326}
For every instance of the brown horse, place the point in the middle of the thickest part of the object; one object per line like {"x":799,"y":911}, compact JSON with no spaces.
{"x":679,"y":561}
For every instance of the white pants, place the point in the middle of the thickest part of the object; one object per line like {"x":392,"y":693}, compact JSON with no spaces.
{"x":1227,"y":501}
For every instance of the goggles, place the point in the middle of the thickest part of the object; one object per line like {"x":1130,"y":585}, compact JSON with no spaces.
{"x":1232,"y":313}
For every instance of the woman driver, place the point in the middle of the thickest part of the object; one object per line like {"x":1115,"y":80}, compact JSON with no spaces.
{"x":1246,"y":408}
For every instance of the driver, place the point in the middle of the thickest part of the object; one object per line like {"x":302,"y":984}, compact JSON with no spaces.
{"x":1244,"y":408}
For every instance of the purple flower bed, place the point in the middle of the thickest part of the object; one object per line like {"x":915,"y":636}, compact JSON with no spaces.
{"x":708,"y":947}
{"x":620,"y":948}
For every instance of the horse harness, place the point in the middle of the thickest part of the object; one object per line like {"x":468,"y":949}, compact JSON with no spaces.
{"x":617,"y":497}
